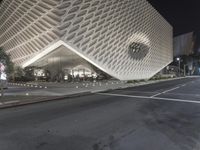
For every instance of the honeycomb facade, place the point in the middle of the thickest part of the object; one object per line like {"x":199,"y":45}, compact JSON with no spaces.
{"x":127,"y":39}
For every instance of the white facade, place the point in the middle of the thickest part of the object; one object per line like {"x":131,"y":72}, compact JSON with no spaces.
{"x":127,"y":39}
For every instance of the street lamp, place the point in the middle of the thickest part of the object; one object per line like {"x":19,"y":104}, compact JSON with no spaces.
{"x":179,"y":65}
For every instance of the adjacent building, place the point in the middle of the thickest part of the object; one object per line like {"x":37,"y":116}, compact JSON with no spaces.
{"x":184,"y":44}
{"x":127,"y":39}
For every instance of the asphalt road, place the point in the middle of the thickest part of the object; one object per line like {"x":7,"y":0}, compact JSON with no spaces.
{"x":161,"y":116}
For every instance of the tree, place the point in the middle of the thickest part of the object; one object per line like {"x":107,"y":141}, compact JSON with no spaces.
{"x":19,"y":72}
{"x":7,"y":63}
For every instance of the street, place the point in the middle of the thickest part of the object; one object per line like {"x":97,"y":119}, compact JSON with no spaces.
{"x":159,"y":116}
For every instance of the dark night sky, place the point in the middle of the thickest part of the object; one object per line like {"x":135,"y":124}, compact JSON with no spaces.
{"x":183,"y":15}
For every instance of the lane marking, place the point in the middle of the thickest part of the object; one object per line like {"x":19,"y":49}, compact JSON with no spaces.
{"x":165,"y":92}
{"x":183,"y":85}
{"x":122,"y":95}
{"x":138,"y":91}
{"x":10,"y":102}
{"x":182,"y":94}
{"x":171,"y":89}
{"x":157,"y":95}
{"x":152,"y":98}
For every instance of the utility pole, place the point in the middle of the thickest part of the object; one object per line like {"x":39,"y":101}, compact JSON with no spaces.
{"x":185,"y":70}
{"x":179,"y":66}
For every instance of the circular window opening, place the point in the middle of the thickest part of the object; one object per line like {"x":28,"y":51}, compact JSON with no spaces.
{"x":138,"y":51}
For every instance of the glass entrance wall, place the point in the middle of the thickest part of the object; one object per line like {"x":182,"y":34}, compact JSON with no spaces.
{"x":63,"y":65}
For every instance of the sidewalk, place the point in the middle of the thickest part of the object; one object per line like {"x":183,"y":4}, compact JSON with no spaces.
{"x":41,"y":92}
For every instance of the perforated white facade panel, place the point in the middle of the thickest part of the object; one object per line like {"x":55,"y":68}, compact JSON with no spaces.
{"x":127,"y":39}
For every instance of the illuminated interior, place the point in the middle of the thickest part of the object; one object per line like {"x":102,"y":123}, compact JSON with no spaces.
{"x":62,"y":62}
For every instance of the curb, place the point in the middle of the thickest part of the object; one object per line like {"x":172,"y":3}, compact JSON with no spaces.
{"x":22,"y":103}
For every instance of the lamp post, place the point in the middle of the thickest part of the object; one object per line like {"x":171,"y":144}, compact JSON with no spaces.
{"x":179,"y":65}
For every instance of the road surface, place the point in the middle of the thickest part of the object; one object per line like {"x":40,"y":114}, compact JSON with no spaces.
{"x":160,"y":116}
